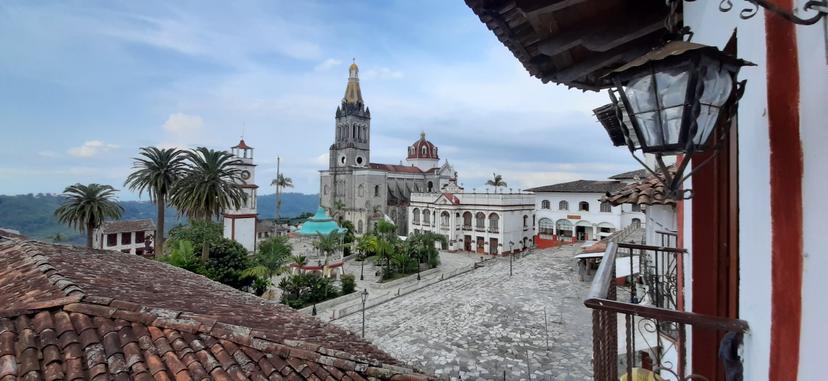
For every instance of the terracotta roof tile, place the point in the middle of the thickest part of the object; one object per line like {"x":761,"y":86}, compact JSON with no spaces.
{"x":581,"y":186}
{"x":159,"y":323}
{"x":122,"y":226}
{"x":649,"y":191}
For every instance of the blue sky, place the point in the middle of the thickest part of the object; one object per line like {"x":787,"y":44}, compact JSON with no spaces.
{"x":83,"y":84}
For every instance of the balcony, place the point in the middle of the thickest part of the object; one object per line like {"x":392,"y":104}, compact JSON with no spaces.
{"x":415,"y":222}
{"x":444,"y":227}
{"x":494,"y":230}
{"x":653,"y":332}
{"x":480,"y":228}
{"x":467,"y":227}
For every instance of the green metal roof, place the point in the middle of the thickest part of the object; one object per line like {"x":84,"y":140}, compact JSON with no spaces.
{"x":320,"y":223}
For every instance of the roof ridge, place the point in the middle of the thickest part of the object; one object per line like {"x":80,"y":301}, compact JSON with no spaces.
{"x":240,"y":335}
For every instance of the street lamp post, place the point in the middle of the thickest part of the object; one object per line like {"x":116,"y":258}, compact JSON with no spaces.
{"x":364,"y":299}
{"x":362,"y":268}
{"x":511,"y":254}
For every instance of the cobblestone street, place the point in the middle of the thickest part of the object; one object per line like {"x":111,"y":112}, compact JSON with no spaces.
{"x":484,"y":323}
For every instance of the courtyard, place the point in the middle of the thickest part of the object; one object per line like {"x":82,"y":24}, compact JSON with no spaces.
{"x":483,"y":325}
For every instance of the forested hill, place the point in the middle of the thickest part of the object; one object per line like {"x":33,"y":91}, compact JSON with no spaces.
{"x":33,"y":214}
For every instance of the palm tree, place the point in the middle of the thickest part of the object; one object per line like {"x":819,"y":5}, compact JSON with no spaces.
{"x":156,"y":171}
{"x":87,"y":206}
{"x":336,"y":209}
{"x":281,"y":182}
{"x":496,"y":181}
{"x":328,"y":244}
{"x":209,"y":185}
{"x":385,"y":228}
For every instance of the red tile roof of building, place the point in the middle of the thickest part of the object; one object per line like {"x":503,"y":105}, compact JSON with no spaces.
{"x":423,"y":149}
{"x":123,"y":226}
{"x":81,"y":314}
{"x":242,"y":145}
{"x":580,"y":186}
{"x":396,"y":168}
{"x":649,"y":191}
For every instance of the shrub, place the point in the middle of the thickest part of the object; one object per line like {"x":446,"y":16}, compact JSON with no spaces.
{"x":302,"y":290}
{"x":348,"y":284}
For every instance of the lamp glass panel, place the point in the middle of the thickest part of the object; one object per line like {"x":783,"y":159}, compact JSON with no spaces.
{"x":643,"y":107}
{"x":718,"y":84}
{"x":672,"y":91}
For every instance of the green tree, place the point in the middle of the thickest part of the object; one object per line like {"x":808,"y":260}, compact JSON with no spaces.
{"x":299,"y":260}
{"x":226,"y":264}
{"x":422,"y":246}
{"x":181,"y":253}
{"x":156,"y":171}
{"x":349,"y":236}
{"x":198,"y":232}
{"x":337,"y":209}
{"x":270,"y":258}
{"x":365,"y":245}
{"x":210,"y":185}
{"x":329,"y":244}
{"x":301,"y":290}
{"x":348,"y":284}
{"x":386,"y":229}
{"x":496,"y":181}
{"x":87,"y":206}
{"x":281,"y":182}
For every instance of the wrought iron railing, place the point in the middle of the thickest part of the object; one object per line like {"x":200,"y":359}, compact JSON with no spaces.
{"x":654,"y":330}
{"x":494,"y":230}
{"x":467,"y":227}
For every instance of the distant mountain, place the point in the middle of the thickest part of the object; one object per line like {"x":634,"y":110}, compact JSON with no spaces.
{"x":33,"y":214}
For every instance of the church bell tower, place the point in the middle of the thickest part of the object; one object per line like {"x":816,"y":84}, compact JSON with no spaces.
{"x":240,"y":224}
{"x":351,"y":148}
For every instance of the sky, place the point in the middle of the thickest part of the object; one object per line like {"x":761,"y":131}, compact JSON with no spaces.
{"x":84,"y":84}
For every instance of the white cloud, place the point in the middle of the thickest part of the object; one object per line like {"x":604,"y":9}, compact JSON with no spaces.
{"x":180,"y":124}
{"x":321,"y":160}
{"x":327,"y":64}
{"x":91,"y":148}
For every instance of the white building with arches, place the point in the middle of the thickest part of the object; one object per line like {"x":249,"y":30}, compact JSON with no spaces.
{"x":573,"y":211}
{"x":485,"y":223}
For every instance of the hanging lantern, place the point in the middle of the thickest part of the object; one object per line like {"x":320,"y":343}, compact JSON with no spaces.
{"x":672,"y":99}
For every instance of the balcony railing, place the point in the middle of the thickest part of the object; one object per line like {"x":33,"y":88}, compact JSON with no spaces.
{"x":654,"y":331}
{"x":467,"y":227}
{"x":494,"y":230}
{"x":480,"y":228}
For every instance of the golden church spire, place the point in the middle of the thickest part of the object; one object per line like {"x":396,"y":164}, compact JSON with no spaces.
{"x":353,"y":94}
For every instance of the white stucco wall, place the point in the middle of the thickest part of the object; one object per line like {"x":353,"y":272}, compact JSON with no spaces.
{"x":619,"y":216}
{"x":813,"y":113}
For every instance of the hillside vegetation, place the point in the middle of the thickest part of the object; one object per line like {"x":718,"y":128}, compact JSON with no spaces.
{"x":33,"y":214}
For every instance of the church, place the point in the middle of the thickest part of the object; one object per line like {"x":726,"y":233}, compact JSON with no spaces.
{"x":355,"y":189}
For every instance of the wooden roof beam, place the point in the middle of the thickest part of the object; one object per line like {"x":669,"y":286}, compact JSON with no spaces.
{"x":596,"y":62}
{"x":598,"y":38}
{"x":530,"y":8}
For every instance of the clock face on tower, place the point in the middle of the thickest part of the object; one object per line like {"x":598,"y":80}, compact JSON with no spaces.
{"x":245,"y":175}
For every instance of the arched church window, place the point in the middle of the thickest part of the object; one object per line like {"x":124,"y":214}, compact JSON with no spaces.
{"x":360,"y":190}
{"x":563,"y":205}
{"x":353,"y":131}
{"x":424,"y":150}
{"x":583,"y":206}
{"x":359,"y":227}
{"x":325,"y":190}
{"x":545,"y":204}
{"x":376,"y":190}
{"x":430,"y":186}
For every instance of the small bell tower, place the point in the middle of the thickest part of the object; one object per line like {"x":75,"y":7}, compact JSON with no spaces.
{"x":240,"y":224}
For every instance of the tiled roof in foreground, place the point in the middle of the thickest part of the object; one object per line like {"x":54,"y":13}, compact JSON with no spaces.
{"x":76,"y":314}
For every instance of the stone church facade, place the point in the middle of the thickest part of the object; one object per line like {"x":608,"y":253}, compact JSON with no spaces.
{"x":355,"y":189}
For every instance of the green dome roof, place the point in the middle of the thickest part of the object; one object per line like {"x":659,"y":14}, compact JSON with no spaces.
{"x":320,"y":223}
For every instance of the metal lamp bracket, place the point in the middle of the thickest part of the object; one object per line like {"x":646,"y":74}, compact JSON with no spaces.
{"x":748,"y":11}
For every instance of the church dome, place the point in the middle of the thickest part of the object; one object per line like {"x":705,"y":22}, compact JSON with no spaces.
{"x":423,"y":149}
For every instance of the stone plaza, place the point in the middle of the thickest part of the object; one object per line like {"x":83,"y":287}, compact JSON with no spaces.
{"x":486,"y":325}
